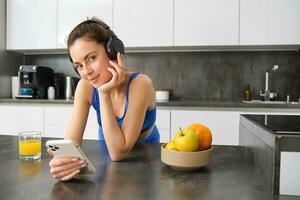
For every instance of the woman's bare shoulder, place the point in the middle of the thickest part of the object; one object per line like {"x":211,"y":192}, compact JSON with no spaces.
{"x":142,"y":88}
{"x":143,"y":79}
{"x":84,"y":91}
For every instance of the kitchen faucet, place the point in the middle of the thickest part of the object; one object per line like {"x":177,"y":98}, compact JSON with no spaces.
{"x":268,"y":94}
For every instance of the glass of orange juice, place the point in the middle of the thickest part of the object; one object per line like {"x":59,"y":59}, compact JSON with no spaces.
{"x":30,"y":145}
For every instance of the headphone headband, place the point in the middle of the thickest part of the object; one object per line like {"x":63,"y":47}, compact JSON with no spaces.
{"x":101,"y":23}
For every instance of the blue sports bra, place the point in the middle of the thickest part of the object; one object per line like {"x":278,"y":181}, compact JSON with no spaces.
{"x":149,"y":120}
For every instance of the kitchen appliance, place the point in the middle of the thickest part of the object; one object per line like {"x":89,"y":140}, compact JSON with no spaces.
{"x":162,"y":95}
{"x":15,"y":86}
{"x":70,"y":86}
{"x":59,"y":85}
{"x":34,"y":81}
{"x":279,"y":124}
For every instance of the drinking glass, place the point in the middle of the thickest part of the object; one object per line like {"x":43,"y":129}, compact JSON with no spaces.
{"x":30,"y":145}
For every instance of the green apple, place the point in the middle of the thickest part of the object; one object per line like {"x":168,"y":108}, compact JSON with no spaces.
{"x":171,"y":146}
{"x":186,"y":140}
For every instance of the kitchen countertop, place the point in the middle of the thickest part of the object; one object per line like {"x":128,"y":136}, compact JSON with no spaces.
{"x":264,"y":138}
{"x":141,"y":175}
{"x":225,"y":103}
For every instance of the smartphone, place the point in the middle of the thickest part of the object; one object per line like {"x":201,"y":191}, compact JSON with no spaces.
{"x":67,"y":148}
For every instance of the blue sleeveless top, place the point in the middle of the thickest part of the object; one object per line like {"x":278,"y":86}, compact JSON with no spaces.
{"x":149,"y":121}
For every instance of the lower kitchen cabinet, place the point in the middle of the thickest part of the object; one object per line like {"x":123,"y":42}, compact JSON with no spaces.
{"x":224,"y":125}
{"x":53,"y":120}
{"x":17,"y":118}
{"x":57,"y":119}
{"x":163,"y":123}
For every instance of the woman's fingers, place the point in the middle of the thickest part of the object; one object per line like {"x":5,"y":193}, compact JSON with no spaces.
{"x":112,"y":83}
{"x":115,"y":65}
{"x":50,"y":152}
{"x":119,"y":67}
{"x":67,"y":173}
{"x":120,"y":62}
{"x":120,"y":58}
{"x":118,"y":74}
{"x":70,"y":176}
{"x":114,"y":73}
{"x":62,"y":161}
{"x":65,"y":167}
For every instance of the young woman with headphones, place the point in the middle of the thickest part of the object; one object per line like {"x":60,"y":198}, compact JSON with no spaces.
{"x":123,"y":100}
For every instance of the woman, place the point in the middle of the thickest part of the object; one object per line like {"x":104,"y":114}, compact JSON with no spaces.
{"x":124,"y":101}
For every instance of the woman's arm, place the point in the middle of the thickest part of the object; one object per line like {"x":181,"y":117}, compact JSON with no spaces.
{"x":120,"y":141}
{"x":69,"y":167}
{"x":82,"y":102}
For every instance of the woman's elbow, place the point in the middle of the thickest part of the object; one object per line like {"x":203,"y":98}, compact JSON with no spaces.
{"x":116,"y":157}
{"x":119,"y":155}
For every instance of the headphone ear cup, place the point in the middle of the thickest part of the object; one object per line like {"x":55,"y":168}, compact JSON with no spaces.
{"x":113,"y":46}
{"x":109,"y":49}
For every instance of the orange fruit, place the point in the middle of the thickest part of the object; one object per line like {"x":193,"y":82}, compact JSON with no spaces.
{"x":204,"y":135}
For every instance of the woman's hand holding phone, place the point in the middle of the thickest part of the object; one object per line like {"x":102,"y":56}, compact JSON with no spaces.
{"x":65,"y":168}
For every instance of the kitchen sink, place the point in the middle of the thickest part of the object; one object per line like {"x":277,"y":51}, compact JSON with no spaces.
{"x":270,"y":102}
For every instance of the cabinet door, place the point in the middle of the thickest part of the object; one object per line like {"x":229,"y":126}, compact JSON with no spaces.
{"x":224,"y":125}
{"x":57,"y":120}
{"x":163,"y":123}
{"x":91,"y":128}
{"x":72,"y":12}
{"x":141,"y":23}
{"x":31,"y":24}
{"x":206,"y":22}
{"x":269,"y":22}
{"x":15,"y":119}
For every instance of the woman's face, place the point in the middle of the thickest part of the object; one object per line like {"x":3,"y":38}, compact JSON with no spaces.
{"x":91,"y":61}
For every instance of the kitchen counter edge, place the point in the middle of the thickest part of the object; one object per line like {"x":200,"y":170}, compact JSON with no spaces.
{"x":176,"y":103}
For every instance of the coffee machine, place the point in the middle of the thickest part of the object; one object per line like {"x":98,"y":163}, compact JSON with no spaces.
{"x":34,"y":81}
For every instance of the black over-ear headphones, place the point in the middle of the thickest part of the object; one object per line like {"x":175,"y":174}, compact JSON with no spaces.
{"x":112,"y":44}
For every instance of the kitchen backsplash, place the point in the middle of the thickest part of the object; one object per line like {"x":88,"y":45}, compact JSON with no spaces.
{"x":9,"y":63}
{"x":208,"y":75}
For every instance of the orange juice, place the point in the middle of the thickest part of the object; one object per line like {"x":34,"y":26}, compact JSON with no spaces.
{"x":30,"y":147}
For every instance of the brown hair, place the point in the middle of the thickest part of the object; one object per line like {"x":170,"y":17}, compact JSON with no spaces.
{"x":90,"y":30}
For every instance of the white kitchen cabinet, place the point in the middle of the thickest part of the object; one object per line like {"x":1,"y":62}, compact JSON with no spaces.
{"x":224,"y":125}
{"x":15,"y":119}
{"x":289,"y":180}
{"x":206,"y":22}
{"x":163,"y":124}
{"x":269,"y":22}
{"x":72,"y":12}
{"x":91,"y":128}
{"x":57,"y":120}
{"x":31,"y":24}
{"x":144,"y":23}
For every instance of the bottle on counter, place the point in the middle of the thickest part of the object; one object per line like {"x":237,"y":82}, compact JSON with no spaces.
{"x":247,"y":94}
{"x":51,"y":92}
